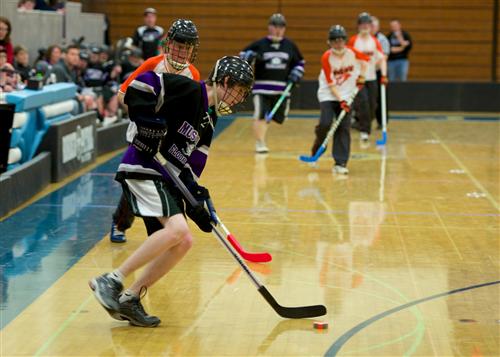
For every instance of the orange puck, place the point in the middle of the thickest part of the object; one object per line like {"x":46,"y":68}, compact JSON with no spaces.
{"x":320,"y":325}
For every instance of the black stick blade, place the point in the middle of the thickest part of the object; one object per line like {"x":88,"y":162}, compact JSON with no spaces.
{"x":300,"y":312}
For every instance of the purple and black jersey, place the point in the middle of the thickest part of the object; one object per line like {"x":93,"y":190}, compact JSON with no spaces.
{"x":183,"y":104}
{"x":274,"y":62}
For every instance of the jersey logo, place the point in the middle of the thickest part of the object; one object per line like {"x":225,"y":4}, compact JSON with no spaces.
{"x":188,"y":131}
{"x":342,"y":74}
{"x":175,"y":152}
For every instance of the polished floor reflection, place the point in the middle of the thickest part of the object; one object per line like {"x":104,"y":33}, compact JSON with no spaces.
{"x":404,"y":252}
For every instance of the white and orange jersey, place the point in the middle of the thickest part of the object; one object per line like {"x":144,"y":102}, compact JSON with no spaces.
{"x":341,"y":72}
{"x":157,"y":64}
{"x":370,"y":46}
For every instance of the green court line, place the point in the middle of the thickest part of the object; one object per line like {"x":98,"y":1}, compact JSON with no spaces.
{"x":63,"y":326}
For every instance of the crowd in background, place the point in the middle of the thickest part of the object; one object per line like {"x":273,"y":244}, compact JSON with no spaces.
{"x":97,"y":70}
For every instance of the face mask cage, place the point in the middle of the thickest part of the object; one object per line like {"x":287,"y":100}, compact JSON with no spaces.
{"x":179,"y":54}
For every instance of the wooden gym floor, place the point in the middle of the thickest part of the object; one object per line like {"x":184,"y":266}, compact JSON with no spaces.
{"x":404,"y":252}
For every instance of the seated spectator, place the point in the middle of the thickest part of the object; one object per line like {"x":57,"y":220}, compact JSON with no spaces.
{"x":131,"y":60}
{"x":53,"y":55}
{"x":66,"y":70}
{"x":26,"y":5}
{"x":5,"y":42}
{"x":8,"y":76}
{"x":21,"y":62}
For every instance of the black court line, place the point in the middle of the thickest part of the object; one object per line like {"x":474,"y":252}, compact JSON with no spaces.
{"x":342,"y":340}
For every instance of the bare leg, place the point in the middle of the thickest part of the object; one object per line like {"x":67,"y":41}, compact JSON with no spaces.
{"x":162,"y":264}
{"x":260,"y":129}
{"x":174,"y":233}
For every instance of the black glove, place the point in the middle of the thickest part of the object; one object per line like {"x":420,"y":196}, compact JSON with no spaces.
{"x":295,"y":75}
{"x":200,"y":216}
{"x":249,"y":56}
{"x":150,"y":133}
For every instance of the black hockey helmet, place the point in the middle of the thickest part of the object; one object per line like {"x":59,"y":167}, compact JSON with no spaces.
{"x":364,"y":18}
{"x":181,"y":32}
{"x":238,"y":73}
{"x":336,"y":32}
{"x":277,"y":20}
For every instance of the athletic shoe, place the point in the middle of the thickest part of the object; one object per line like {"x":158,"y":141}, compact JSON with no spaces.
{"x":339,"y":169}
{"x":107,"y":290}
{"x":109,"y":120}
{"x":117,"y":236}
{"x":364,"y":136}
{"x":260,"y":147}
{"x":133,"y":311}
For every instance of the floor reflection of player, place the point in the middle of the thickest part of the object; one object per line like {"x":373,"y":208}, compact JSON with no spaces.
{"x":270,"y":195}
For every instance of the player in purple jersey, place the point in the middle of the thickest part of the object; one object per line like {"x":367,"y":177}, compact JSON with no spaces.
{"x":172,"y":113}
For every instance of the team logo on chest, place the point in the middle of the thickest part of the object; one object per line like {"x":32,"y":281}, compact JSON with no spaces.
{"x":188,"y":131}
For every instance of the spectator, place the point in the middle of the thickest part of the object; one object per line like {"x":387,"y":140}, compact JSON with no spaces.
{"x":50,"y":5}
{"x":26,"y":5}
{"x":131,"y":61}
{"x":8,"y":76}
{"x":401,"y":45}
{"x":5,"y":30}
{"x":21,"y":62}
{"x":66,"y":70}
{"x":147,"y":37}
{"x":53,"y":55}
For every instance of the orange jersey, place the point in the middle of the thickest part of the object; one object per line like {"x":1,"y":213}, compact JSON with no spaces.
{"x":371,"y":47}
{"x":157,"y":65}
{"x":341,"y":72}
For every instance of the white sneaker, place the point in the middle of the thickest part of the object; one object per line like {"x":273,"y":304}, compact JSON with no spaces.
{"x":364,"y":136}
{"x":260,"y":147}
{"x":109,"y":120}
{"x":338,"y":169}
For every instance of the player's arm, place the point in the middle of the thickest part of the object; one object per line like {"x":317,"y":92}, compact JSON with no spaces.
{"x":327,"y":70}
{"x":142,"y":98}
{"x":251,"y":53}
{"x":146,"y":66}
{"x":297,"y":66}
{"x":381,"y":61}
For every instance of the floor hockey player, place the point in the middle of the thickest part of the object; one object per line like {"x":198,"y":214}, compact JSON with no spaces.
{"x":180,"y":49}
{"x":277,"y":61}
{"x":366,"y":102}
{"x":342,"y":69}
{"x":187,"y":108}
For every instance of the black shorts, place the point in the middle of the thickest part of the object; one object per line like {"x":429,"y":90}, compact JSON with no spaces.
{"x":264,"y":103}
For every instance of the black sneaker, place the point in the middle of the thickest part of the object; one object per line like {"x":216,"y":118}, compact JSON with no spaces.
{"x":107,"y":290}
{"x":133,"y":311}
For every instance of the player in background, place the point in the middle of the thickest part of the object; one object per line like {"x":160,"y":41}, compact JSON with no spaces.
{"x":180,"y":48}
{"x":342,"y":69}
{"x":386,"y":48}
{"x":277,"y":61}
{"x":147,"y":37}
{"x":171,"y":112}
{"x":366,"y":102}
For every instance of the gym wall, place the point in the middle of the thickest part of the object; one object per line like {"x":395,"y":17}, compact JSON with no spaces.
{"x":453,"y":39}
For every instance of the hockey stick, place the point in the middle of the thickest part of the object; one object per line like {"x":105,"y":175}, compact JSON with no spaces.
{"x":383,"y":141}
{"x":251,"y":257}
{"x":287,"y":312}
{"x":285,"y":93}
{"x":330,"y":133}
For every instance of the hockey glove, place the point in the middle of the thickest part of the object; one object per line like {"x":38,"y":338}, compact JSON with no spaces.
{"x":249,"y":56}
{"x":360,"y":81}
{"x":295,"y":75}
{"x":150,"y":132}
{"x":200,"y":216}
{"x":384,"y":80}
{"x":344,"y":106}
